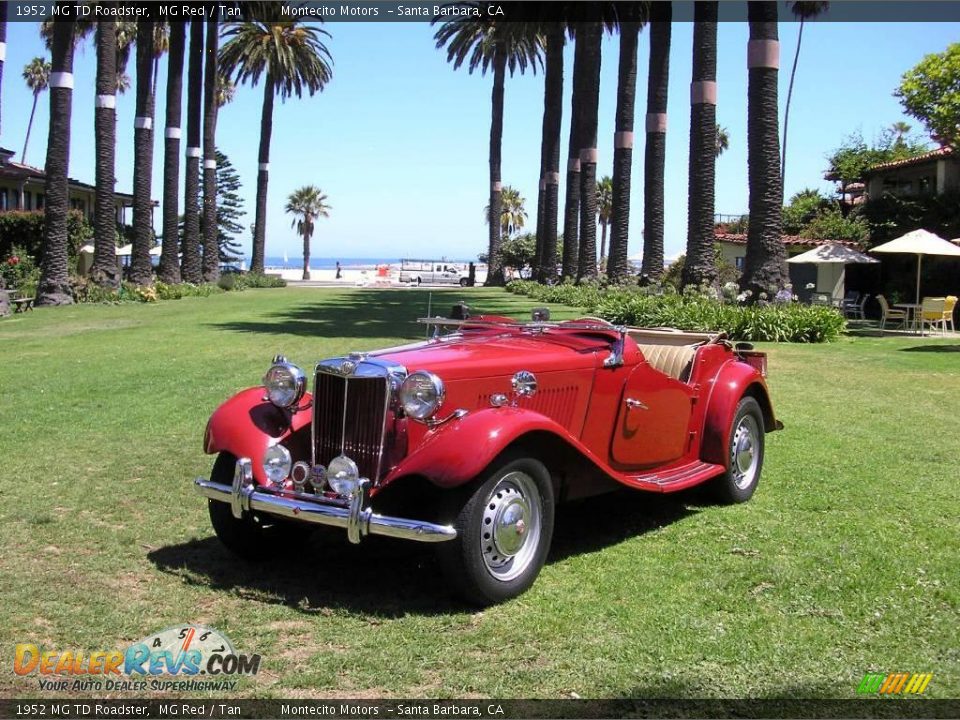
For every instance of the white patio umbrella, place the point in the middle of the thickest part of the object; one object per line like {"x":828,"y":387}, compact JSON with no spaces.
{"x":832,"y":253}
{"x":127,"y":250}
{"x":919,"y":243}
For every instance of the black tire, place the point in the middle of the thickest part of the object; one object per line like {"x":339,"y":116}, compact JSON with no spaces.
{"x":464,"y":282}
{"x":252,"y":537}
{"x":746,"y":447}
{"x":478,"y":569}
{"x":418,"y":282}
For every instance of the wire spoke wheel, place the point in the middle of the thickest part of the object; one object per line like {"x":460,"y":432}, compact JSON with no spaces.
{"x":744,"y":456}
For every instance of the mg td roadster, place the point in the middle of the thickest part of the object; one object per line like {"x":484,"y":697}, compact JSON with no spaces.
{"x":468,"y":440}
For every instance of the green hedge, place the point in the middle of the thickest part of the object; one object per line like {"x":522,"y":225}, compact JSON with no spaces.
{"x":24,"y":229}
{"x":777,"y":322}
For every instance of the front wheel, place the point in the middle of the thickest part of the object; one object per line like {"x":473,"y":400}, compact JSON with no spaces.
{"x":503,"y":533}
{"x":738,"y":484}
{"x":464,"y":282}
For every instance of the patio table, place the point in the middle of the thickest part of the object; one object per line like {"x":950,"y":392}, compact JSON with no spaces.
{"x":913,"y":312}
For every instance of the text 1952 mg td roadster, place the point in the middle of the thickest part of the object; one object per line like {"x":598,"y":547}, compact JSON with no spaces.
{"x":468,"y":439}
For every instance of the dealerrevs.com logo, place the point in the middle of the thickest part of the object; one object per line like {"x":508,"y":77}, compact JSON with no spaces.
{"x":169,"y":660}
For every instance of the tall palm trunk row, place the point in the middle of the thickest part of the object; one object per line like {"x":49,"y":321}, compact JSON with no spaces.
{"x":141,"y":269}
{"x":169,"y":270}
{"x":550,"y":153}
{"x":263,"y":170}
{"x":591,"y":34}
{"x":54,"y":285}
{"x":571,"y":203}
{"x":105,"y":271}
{"x":700,"y":267}
{"x":655,"y":152}
{"x":190,"y":268}
{"x":211,"y":248}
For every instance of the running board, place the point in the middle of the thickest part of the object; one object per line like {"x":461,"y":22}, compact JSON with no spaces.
{"x":676,"y":478}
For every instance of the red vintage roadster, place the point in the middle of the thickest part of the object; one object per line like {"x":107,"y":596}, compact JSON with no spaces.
{"x":470,"y":438}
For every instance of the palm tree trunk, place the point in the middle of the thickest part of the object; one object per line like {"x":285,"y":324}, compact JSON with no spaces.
{"x":655,"y":155}
{"x":105,"y":271}
{"x":603,"y":241}
{"x":211,"y":246}
{"x":54,"y":285}
{"x":538,"y":248}
{"x":26,"y":140}
{"x":494,"y":263}
{"x":700,"y":266}
{"x":169,"y":270}
{"x":552,"y":117}
{"x":3,"y":44}
{"x":307,"y":222}
{"x":765,"y":268}
{"x":571,"y":203}
{"x":141,"y":269}
{"x":260,"y":221}
{"x":592,"y":34}
{"x":786,"y":111}
{"x":190,"y":269}
{"x":623,"y":152}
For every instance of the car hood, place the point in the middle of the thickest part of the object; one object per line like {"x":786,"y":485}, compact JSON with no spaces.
{"x":487,"y":355}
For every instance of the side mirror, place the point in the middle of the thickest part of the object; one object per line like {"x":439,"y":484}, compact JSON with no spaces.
{"x":541,"y":314}
{"x":460,"y":311}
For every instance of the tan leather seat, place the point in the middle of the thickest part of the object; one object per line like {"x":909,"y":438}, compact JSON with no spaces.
{"x":673,"y":360}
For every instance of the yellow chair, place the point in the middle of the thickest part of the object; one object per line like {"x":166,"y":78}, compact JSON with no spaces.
{"x":932,"y":314}
{"x":948,"y":306}
{"x":887,"y":314}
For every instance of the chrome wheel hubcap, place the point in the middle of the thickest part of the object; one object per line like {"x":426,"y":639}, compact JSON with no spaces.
{"x":510,"y":529}
{"x":744,"y":455}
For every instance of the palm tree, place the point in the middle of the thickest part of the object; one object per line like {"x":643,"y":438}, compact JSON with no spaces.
{"x":802,"y":10}
{"x":604,"y":211}
{"x":571,"y":204}
{"x":36,"y":73}
{"x":765,"y":265}
{"x":498,"y":46}
{"x":591,"y":34}
{"x":291,"y":57}
{"x":547,"y":208}
{"x":513,"y":213}
{"x":3,"y":39}
{"x":700,"y":265}
{"x":190,"y":268}
{"x":307,"y":204}
{"x":225,"y":91}
{"x":54,"y":285}
{"x":169,"y":270}
{"x":105,"y":271}
{"x":211,"y":246}
{"x":141,"y":268}
{"x":723,"y":140}
{"x":900,"y":130}
{"x":619,"y":216}
{"x":654,"y":159}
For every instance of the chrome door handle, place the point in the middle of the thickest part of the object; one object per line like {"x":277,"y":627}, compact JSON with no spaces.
{"x":633,"y":404}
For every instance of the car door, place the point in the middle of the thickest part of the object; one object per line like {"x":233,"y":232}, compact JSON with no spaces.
{"x":653,"y":420}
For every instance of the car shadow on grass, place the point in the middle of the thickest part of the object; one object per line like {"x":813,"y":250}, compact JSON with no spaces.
{"x":368,"y":313}
{"x":932,"y":348}
{"x":392,"y":578}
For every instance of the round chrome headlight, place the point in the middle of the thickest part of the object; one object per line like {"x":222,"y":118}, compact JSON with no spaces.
{"x":276,"y":463}
{"x":343,"y":477}
{"x":285,"y":384}
{"x":421,"y":395}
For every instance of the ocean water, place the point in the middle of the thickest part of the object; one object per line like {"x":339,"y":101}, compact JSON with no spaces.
{"x":324,"y":263}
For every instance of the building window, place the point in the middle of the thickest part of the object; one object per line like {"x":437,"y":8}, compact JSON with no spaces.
{"x":3,"y":199}
{"x":27,"y":199}
{"x":738,"y":262}
{"x":38,"y":205}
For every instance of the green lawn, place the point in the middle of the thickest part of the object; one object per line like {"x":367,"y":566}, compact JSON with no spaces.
{"x":846,"y":561}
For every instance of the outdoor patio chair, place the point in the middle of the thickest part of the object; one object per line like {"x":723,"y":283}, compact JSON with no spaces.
{"x":948,"y":306}
{"x":854,"y":308}
{"x":888,"y":313}
{"x":932,"y":312}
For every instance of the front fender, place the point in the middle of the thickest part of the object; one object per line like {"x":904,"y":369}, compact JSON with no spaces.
{"x":734,"y":380}
{"x":246,"y":425}
{"x":458,"y":451}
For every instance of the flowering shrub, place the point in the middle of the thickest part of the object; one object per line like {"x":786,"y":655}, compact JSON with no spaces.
{"x":763,"y":321}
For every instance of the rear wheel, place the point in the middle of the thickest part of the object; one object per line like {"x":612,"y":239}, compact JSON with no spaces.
{"x":251,"y":537}
{"x":738,"y":484}
{"x":504,"y":530}
{"x":464,"y":282}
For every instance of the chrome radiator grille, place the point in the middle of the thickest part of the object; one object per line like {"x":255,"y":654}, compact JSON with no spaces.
{"x":348,"y":419}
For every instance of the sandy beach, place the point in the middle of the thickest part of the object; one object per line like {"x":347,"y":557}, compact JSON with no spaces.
{"x":354,"y":275}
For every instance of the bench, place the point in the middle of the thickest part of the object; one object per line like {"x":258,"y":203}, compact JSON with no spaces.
{"x":22,"y":304}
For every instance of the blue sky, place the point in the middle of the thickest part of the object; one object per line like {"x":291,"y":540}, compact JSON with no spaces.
{"x":399,"y":139}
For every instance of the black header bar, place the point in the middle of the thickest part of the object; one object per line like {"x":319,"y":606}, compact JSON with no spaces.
{"x":856,"y":11}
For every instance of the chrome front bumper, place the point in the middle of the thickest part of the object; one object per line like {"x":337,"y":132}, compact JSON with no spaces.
{"x":245,"y":496}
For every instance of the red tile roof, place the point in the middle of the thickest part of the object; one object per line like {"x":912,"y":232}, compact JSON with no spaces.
{"x":941,"y":152}
{"x":788,"y":240}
